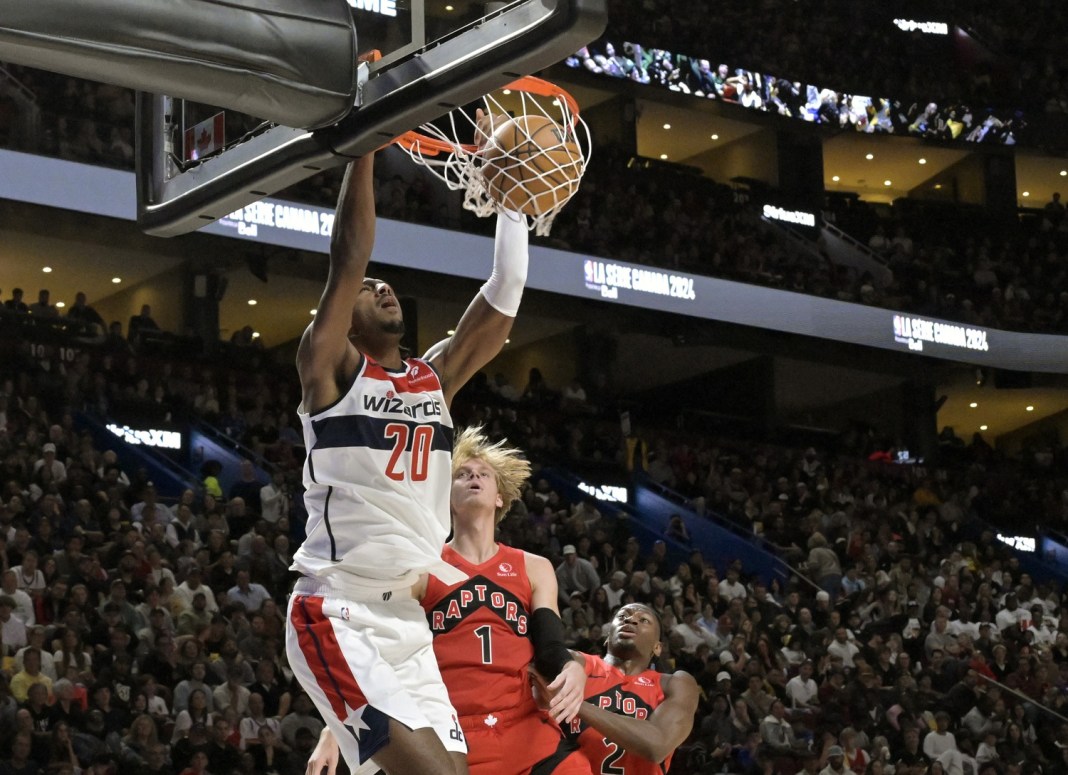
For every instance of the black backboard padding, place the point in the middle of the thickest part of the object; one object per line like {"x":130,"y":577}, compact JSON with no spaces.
{"x":288,"y":61}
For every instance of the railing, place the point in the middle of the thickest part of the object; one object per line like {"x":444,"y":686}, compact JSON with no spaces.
{"x":721,"y":539}
{"x":7,"y":78}
{"x":863,"y":258}
{"x":796,"y":240}
{"x":29,"y":111}
{"x":209,"y":442}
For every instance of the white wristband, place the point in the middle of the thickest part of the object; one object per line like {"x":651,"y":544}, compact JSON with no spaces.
{"x":504,"y":289}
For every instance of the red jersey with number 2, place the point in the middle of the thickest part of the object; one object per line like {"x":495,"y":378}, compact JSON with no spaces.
{"x":609,"y":688}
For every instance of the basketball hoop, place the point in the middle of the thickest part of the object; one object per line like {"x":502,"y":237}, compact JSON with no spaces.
{"x":514,"y":167}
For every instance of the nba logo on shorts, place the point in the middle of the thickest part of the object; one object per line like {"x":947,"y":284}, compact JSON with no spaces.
{"x":345,"y":614}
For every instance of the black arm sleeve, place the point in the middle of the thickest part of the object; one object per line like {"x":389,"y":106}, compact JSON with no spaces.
{"x":547,"y":633}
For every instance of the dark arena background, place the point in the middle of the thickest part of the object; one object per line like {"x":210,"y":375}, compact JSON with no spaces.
{"x":792,"y":368}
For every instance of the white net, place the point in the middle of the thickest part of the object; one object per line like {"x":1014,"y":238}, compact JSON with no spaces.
{"x":529,"y":153}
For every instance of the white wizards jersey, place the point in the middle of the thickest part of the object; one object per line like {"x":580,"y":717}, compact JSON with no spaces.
{"x":378,"y":477}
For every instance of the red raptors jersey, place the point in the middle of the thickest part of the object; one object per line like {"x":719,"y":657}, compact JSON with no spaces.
{"x":611,"y":689}
{"x":480,"y":632}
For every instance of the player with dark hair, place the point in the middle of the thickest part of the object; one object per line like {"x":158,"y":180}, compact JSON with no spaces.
{"x":634,"y":717}
{"x":378,"y":474}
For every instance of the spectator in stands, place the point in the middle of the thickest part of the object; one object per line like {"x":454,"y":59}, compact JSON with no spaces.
{"x":1053,"y":213}
{"x":692,"y":634}
{"x":20,"y":763}
{"x":182,"y":531}
{"x":302,"y":717}
{"x":15,"y":303}
{"x":575,"y":574}
{"x":274,"y":498}
{"x":778,"y":736}
{"x":192,"y":586}
{"x":731,"y":587}
{"x":676,"y":530}
{"x":254,"y":721}
{"x":232,"y":693}
{"x":247,"y":487}
{"x":23,"y":603}
{"x":42,"y":308}
{"x":940,"y":739}
{"x":246,"y":336}
{"x":197,"y":710}
{"x":194,"y":619}
{"x":83,"y":313}
{"x":139,"y":323}
{"x":802,"y":690}
{"x":49,"y":466}
{"x":615,"y":589}
{"x":115,"y":343}
{"x":249,"y":594}
{"x":30,"y":675}
{"x":823,"y":565}
{"x":36,"y":636}
{"x":223,"y":755}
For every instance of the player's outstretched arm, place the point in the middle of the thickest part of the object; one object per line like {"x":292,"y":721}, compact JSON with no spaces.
{"x":325,"y":352}
{"x":666,"y":728}
{"x":485,"y":325}
{"x":565,"y":675}
{"x":324,"y":758}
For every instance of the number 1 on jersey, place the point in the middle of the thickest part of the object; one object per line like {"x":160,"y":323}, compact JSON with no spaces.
{"x":484,"y":635}
{"x":422,"y":441}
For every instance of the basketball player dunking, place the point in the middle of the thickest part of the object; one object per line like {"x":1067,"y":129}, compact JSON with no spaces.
{"x":634,"y":717}
{"x":378,"y":475}
{"x":491,"y":627}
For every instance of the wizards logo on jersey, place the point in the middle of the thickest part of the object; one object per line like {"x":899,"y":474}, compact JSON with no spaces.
{"x":478,"y":593}
{"x":614,"y":700}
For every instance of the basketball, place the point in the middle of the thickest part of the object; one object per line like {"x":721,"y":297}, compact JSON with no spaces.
{"x":532,"y":165}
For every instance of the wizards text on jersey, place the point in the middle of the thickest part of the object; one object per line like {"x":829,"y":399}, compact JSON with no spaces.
{"x":392,"y":404}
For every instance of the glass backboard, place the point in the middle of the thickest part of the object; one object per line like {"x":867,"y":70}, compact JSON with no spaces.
{"x":197,"y":162}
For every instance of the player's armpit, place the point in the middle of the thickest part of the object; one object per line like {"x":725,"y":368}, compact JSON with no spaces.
{"x":479,"y":337}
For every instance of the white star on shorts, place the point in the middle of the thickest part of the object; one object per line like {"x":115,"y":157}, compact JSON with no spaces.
{"x":355,"y":720}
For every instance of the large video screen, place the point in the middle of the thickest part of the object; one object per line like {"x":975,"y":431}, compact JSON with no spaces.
{"x":709,"y":79}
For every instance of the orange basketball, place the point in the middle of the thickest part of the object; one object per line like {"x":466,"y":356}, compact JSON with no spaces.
{"x":532,"y":165}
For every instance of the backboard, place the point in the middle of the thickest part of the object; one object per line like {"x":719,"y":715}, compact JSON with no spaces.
{"x":435,"y":55}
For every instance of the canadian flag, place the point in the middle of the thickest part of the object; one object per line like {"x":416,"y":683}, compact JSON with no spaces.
{"x":206,"y":137}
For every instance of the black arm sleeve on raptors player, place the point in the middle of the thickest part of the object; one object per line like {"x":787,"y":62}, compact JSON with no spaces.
{"x":547,"y":633}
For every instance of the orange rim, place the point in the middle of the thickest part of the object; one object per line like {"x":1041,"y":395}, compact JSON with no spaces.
{"x":415,"y":141}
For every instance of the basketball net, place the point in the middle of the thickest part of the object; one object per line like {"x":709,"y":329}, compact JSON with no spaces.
{"x":551,"y":177}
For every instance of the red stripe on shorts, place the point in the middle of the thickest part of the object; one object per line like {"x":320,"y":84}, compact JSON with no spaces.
{"x":321,"y":650}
